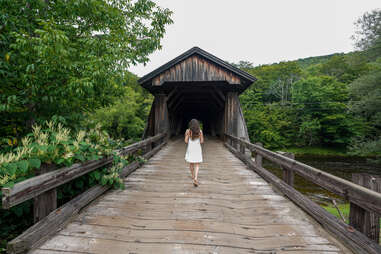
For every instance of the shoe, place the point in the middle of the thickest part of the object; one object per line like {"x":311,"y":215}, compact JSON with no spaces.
{"x":195,"y":182}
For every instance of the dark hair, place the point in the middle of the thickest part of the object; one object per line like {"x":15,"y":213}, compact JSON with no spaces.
{"x":194,"y":127}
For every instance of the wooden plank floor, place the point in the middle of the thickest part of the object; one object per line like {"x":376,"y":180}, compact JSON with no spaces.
{"x":232,"y":211}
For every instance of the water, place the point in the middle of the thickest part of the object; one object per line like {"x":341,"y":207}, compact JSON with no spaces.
{"x":339,"y":166}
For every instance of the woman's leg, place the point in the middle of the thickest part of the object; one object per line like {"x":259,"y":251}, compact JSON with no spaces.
{"x":196,"y":167}
{"x":191,"y":167}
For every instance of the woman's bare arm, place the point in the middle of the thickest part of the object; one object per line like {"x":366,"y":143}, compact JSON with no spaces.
{"x":201,"y":137}
{"x":186,"y":136}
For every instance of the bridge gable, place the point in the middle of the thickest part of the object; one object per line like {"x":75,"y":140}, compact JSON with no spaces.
{"x":197,"y":65}
{"x":196,"y":68}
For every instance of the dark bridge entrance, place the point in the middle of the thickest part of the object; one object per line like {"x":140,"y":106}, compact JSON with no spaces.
{"x":197,"y":85}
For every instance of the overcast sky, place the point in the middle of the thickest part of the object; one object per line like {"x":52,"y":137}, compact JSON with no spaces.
{"x":259,"y":31}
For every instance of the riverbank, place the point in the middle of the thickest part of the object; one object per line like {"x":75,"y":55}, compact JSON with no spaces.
{"x":317,"y":151}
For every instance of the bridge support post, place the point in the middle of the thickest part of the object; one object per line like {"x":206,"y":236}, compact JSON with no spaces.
{"x":242,"y":148}
{"x":288,"y":174}
{"x":366,"y":222}
{"x":234,"y":122}
{"x":161,"y":116}
{"x":47,"y":201}
{"x":258,"y":157}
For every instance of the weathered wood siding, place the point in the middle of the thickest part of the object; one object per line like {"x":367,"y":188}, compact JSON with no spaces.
{"x":234,"y":122}
{"x":195,"y":68}
{"x":149,"y":131}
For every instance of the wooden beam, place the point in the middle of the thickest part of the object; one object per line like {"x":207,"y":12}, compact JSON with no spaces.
{"x":354,"y":239}
{"x":175,"y":98}
{"x":220,"y":94}
{"x":201,"y":104}
{"x":221,"y":103}
{"x":173,"y":92}
{"x":174,"y":109}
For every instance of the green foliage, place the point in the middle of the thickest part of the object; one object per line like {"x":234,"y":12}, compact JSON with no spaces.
{"x":345,"y":68}
{"x":289,"y":106}
{"x":126,"y":117}
{"x":275,"y":81}
{"x":323,"y":101}
{"x":368,"y":33}
{"x":317,"y":151}
{"x":60,"y":58}
{"x":307,"y":62}
{"x":271,"y":125}
{"x":366,"y":104}
{"x":65,"y":60}
{"x":309,"y":131}
{"x":52,"y":144}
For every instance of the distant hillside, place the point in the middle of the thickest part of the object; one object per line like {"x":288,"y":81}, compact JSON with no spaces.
{"x":305,"y":62}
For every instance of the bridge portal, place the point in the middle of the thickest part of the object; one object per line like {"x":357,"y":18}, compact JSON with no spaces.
{"x":198,"y":85}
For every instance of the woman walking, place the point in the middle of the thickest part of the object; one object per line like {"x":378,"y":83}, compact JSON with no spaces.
{"x":194,"y":138}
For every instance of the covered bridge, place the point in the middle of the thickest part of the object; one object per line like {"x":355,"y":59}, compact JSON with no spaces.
{"x":198,"y":85}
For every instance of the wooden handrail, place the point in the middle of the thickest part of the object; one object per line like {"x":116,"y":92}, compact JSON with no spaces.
{"x":354,"y":239}
{"x":366,"y":198}
{"x":37,"y":185}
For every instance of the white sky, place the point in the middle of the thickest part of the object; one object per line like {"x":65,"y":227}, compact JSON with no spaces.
{"x":259,"y":31}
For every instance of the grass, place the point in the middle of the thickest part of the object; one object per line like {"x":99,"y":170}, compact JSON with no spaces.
{"x":318,"y":151}
{"x":344,"y":208}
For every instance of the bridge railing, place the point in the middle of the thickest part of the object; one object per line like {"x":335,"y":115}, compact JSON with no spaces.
{"x":37,"y":188}
{"x":357,"y":195}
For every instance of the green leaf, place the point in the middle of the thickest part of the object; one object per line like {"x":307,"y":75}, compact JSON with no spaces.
{"x":104,"y":181}
{"x":80,"y":157}
{"x":60,"y":161}
{"x":79,"y":184}
{"x":34,"y":163}
{"x":23,"y":166}
{"x":9,"y":184}
{"x":97,"y":175}
{"x":18,"y":211}
{"x":12,"y":168}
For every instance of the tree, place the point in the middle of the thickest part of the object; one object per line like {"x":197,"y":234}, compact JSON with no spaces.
{"x":65,"y":57}
{"x":321,"y":101}
{"x":275,"y":80}
{"x":368,"y":34}
{"x":345,"y":68}
{"x":366,"y":103}
{"x":365,"y":91}
{"x":243,"y":65}
{"x":127,"y":116}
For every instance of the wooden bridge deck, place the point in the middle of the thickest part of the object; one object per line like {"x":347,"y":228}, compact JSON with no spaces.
{"x":232,"y":211}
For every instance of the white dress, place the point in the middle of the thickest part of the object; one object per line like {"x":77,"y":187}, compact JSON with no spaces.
{"x":194,"y":152}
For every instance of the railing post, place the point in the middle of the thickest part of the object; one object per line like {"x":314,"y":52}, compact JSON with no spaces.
{"x":258,"y":157}
{"x":288,"y":174}
{"x":47,"y":201}
{"x":242,"y":148}
{"x":366,"y":222}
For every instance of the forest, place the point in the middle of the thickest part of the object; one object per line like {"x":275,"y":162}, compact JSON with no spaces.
{"x":66,"y":94}
{"x":331,"y":101}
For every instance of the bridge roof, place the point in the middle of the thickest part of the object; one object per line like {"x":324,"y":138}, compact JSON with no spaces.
{"x":222,"y":71}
